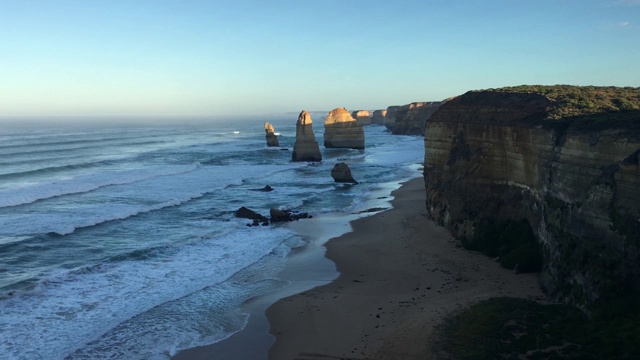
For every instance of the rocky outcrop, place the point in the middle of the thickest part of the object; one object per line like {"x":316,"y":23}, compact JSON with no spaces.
{"x":246,"y":213}
{"x":278,"y":215}
{"x":410,"y":119}
{"x":378,"y":117}
{"x":306,"y":147}
{"x":342,"y":173}
{"x":390,"y":117}
{"x":342,"y":131}
{"x":272,"y":138}
{"x":363,"y":117}
{"x":563,"y":161}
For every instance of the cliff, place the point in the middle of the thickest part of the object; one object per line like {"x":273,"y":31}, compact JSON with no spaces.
{"x":410,"y":119}
{"x":390,"y":117}
{"x":544,"y":177}
{"x":341,"y":130}
{"x":306,"y":147}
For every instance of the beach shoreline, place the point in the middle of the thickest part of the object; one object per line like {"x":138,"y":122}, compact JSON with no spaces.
{"x":372,"y":288}
{"x":400,"y":275}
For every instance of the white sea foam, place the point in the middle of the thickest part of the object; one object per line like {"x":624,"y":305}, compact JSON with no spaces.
{"x":106,"y":308}
{"x":86,"y":183}
{"x":71,"y":308}
{"x":115,"y":203}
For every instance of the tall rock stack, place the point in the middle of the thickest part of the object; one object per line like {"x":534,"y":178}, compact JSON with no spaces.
{"x":272,"y":138}
{"x":378,"y":117}
{"x":363,"y":117}
{"x":306,"y":147}
{"x":341,"y":130}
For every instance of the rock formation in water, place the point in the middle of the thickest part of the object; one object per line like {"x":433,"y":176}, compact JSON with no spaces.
{"x":306,"y":147}
{"x":556,"y":164}
{"x":278,"y":215}
{"x":363,"y":117}
{"x":410,"y":119}
{"x":378,"y":117}
{"x":272,"y":138}
{"x":342,"y":131}
{"x":342,"y":173}
{"x":246,"y":213}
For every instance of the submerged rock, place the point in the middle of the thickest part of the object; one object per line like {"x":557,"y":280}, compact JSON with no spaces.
{"x":272,"y":138}
{"x":246,"y":213}
{"x":286,"y":215}
{"x":342,"y":173}
{"x":306,"y":147}
{"x":341,"y":130}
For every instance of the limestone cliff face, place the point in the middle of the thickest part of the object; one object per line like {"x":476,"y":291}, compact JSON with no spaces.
{"x":410,"y":119}
{"x":576,"y":180}
{"x":378,"y":117}
{"x":363,"y":117}
{"x":341,"y":130}
{"x":272,"y":138}
{"x":390,"y":117}
{"x":306,"y":147}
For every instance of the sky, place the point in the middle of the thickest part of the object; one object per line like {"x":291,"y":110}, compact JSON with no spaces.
{"x":170,"y":58}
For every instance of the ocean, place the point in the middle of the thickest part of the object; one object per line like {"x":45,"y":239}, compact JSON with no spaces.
{"x":119,"y":241}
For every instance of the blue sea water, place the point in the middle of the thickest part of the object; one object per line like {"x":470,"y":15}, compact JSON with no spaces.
{"x":120,"y":241}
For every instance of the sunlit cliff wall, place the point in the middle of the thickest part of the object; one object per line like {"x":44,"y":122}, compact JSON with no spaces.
{"x":550,"y":155}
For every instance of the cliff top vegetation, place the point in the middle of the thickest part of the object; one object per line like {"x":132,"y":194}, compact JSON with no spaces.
{"x":570,"y":101}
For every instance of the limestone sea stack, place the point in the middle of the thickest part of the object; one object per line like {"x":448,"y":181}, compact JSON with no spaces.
{"x":378,"y":117}
{"x":341,"y":130}
{"x":306,"y":147}
{"x":272,"y":138}
{"x":363,"y":117}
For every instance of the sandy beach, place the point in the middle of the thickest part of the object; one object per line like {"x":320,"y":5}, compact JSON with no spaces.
{"x":400,"y":274}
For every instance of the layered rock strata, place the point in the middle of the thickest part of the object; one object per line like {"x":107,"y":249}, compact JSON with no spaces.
{"x":411,"y":119}
{"x":390,"y":117}
{"x":272,"y":138}
{"x":363,"y":117}
{"x":513,"y":154}
{"x":305,"y":147}
{"x":341,"y":130}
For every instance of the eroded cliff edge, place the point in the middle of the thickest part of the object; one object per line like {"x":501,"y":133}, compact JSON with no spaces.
{"x":562,"y":160}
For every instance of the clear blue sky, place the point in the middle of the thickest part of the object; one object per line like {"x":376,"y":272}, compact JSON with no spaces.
{"x":215,"y":58}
